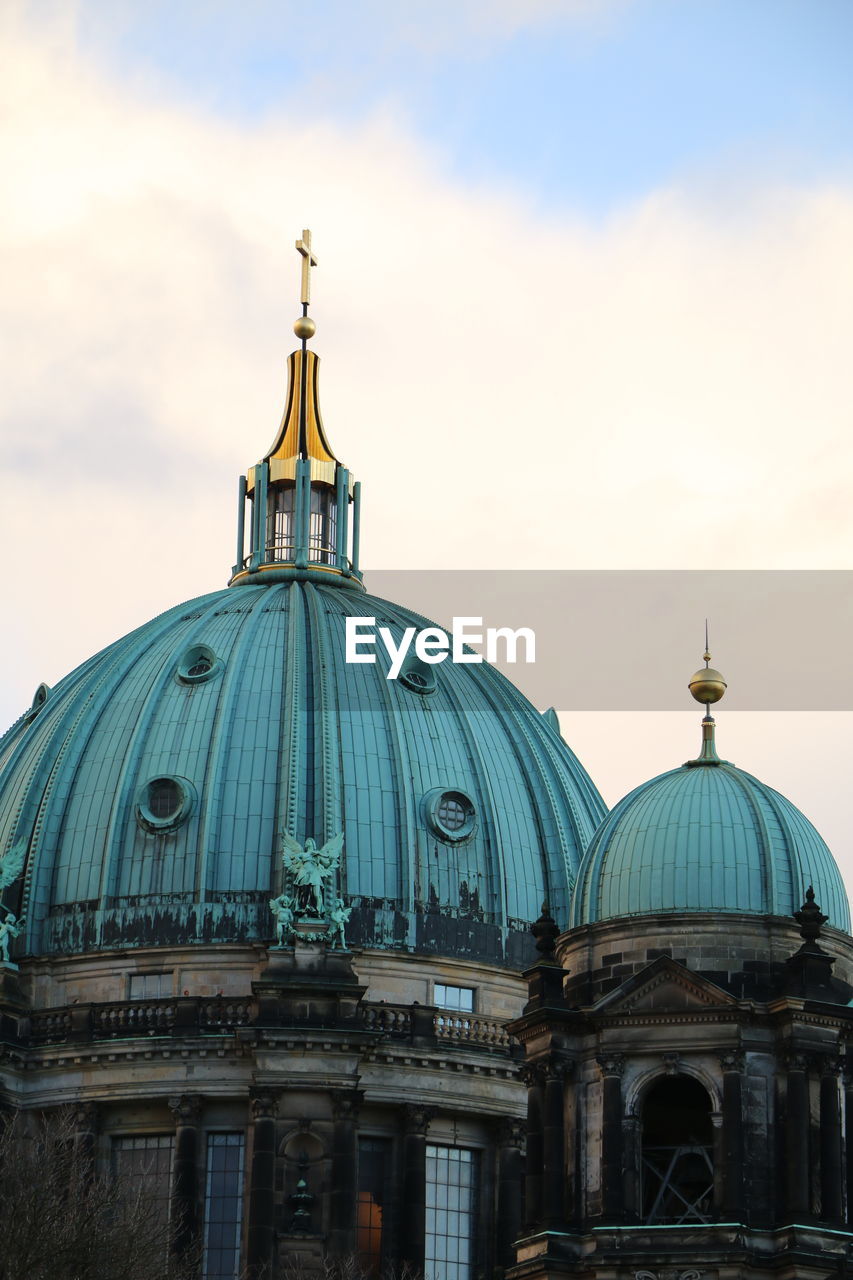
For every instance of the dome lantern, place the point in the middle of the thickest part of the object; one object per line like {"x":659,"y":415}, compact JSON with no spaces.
{"x":304,"y":505}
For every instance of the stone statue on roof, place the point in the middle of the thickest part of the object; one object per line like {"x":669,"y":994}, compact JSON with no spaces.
{"x":311,"y":868}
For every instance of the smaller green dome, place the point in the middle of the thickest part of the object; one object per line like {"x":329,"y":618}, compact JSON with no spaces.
{"x":706,"y":837}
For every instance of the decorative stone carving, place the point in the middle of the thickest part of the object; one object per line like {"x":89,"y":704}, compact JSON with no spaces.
{"x":511,"y":1133}
{"x":810,"y":918}
{"x":673,"y":1274}
{"x":670,"y":1063}
{"x":339,"y":915}
{"x":829,"y":1064}
{"x":795,"y":1060}
{"x":12,"y":864}
{"x":416,"y":1117}
{"x":733,"y":1060}
{"x":311,"y":868}
{"x":611,"y":1064}
{"x":546,"y":931}
{"x":346,"y":1103}
{"x":186,"y":1108}
{"x":86,"y":1117}
{"x":301,"y":1201}
{"x":545,"y":1069}
{"x":282,"y":909}
{"x":10,"y":928}
{"x":264,"y":1104}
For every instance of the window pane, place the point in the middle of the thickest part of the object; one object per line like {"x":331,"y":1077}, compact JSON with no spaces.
{"x":145,"y":1164}
{"x":461,"y":998}
{"x":374,"y":1203}
{"x":223,"y":1205}
{"x":150,"y":986}
{"x":451,"y":1213}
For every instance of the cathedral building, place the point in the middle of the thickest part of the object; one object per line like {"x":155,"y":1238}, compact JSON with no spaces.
{"x":273,"y":925}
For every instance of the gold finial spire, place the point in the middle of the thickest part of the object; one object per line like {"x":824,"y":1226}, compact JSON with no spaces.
{"x":305,"y":327}
{"x":707,"y":686}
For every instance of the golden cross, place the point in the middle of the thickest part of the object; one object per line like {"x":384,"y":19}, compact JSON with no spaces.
{"x":308,"y":261}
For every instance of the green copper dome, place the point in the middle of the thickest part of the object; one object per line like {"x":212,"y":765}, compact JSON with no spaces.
{"x":151,"y":786}
{"x":706,"y":837}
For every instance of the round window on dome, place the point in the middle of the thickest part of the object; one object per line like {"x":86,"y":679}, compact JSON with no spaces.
{"x":198,"y":664}
{"x":420,"y":679}
{"x":450,"y":814}
{"x":164,"y":803}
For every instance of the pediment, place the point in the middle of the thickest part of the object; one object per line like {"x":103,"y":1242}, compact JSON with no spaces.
{"x":664,"y":986}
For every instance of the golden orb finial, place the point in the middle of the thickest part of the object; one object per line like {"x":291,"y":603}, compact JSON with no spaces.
{"x":304,"y":328}
{"x":706,"y":684}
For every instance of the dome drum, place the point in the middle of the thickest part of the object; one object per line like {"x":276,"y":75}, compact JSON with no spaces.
{"x":749,"y":961}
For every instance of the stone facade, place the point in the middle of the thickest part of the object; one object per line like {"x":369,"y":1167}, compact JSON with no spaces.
{"x":689,"y":1101}
{"x":302,"y":1052}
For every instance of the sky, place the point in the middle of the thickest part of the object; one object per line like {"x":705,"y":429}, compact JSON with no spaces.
{"x":584,"y":300}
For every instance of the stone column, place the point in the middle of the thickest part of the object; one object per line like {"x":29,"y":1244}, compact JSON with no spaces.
{"x":186,"y":1110}
{"x":848,"y":1149}
{"x":612,"y":1154}
{"x":416,"y":1120}
{"x":733,"y":1063}
{"x":346,"y":1104}
{"x":262,"y":1186}
{"x":531,"y":1074}
{"x":510,"y":1141}
{"x":797,"y":1197}
{"x":633,"y":1157}
{"x":831,"y":1186}
{"x":554,"y":1143}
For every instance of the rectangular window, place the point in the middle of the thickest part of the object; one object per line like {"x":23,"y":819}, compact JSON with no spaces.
{"x":374,"y":1203}
{"x":144,"y":1165}
{"x":460,"y":999}
{"x":451,"y":1213}
{"x":280,"y":525}
{"x":150,"y":986}
{"x":223,"y":1205}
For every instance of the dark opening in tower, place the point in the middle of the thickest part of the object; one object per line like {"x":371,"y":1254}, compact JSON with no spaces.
{"x":677,"y":1152}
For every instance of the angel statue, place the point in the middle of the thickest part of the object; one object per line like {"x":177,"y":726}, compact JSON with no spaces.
{"x":12,"y":864}
{"x":338,"y":916}
{"x":282,"y":909}
{"x":309,"y":867}
{"x":10,"y":928}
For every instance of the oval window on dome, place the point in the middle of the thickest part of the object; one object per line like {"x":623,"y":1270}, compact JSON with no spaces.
{"x":450,"y":814}
{"x":418,"y":677}
{"x":164,"y":803}
{"x":198,"y":664}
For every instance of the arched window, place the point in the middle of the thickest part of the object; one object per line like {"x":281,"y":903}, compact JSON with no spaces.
{"x":677,"y":1152}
